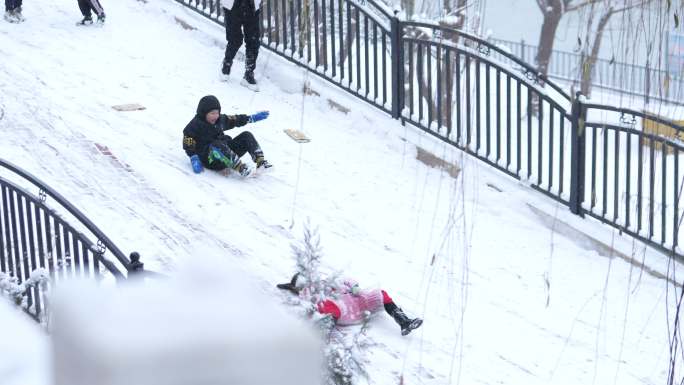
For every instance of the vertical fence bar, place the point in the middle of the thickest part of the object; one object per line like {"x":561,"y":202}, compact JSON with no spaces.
{"x":366,"y":58}
{"x":578,"y":117}
{"x":332,"y":38}
{"x":15,"y":269}
{"x":59,"y":256}
{"x":358,"y":49}
{"x":616,"y":176}
{"x":4,"y":228}
{"x":540,"y":140}
{"x":498,"y":116}
{"x":76,"y":255}
{"x":86,"y":261}
{"x":529,"y":132}
{"x":268,"y":21}
{"x":449,"y":90}
{"x":640,"y":180}
{"x":419,"y":75}
{"x":341,"y":37}
{"x":48,"y":243}
{"x":375,"y":71}
{"x":68,"y":235}
{"x":458,"y":98}
{"x":384,"y":66}
{"x":561,"y":156}
{"x":594,"y":135}
{"x":663,"y":182}
{"x":410,"y":79}
{"x":307,"y":22}
{"x":628,"y":179}
{"x":293,"y":37}
{"x":518,"y":128}
{"x":488,"y":111}
{"x":675,"y":217}
{"x":468,"y":102}
{"x":604,"y":158}
{"x":439,"y":75}
{"x":478,"y":110}
{"x":23,"y":234}
{"x":651,"y":186}
{"x":283,"y":12}
{"x":508,"y":121}
{"x":317,"y":43}
{"x":551,"y":116}
{"x":430,"y":98}
{"x":349,"y":44}
{"x":397,"y":65}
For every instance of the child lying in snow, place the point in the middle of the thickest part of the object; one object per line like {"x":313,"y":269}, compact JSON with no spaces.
{"x":351,"y":303}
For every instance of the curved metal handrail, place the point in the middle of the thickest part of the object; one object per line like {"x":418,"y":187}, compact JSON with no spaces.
{"x":120,"y":256}
{"x":644,"y":115}
{"x":529,"y":68}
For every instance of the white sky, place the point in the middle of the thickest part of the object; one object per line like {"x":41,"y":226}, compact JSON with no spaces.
{"x":505,"y":299}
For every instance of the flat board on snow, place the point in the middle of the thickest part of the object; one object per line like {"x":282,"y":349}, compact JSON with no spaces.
{"x":129,"y":107}
{"x":297,"y":135}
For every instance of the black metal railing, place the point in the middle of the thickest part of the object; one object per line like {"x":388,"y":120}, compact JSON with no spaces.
{"x":488,"y":102}
{"x":35,"y":237}
{"x":645,"y":82}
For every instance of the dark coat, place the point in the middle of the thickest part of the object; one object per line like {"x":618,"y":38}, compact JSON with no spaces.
{"x":199,"y":134}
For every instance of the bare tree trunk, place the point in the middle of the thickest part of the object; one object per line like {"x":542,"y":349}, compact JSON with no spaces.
{"x":350,"y":35}
{"x":552,"y":16}
{"x":322,"y":39}
{"x":304,"y":26}
{"x":449,"y":67}
{"x":589,"y":61}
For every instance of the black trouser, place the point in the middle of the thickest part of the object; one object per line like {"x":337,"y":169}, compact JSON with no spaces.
{"x":242,"y":16}
{"x":87,"y":6}
{"x":11,"y":5}
{"x":234,"y":148}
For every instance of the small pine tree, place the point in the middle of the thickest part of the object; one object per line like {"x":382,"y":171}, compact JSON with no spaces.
{"x":343,"y":352}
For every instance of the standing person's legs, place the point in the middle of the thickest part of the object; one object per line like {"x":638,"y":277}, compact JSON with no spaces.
{"x":233,"y":22}
{"x":84,"y":6}
{"x":252,"y":36}
{"x":97,"y":8}
{"x":10,"y":5}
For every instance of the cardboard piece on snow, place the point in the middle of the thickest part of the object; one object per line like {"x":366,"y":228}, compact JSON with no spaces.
{"x":297,"y":135}
{"x":129,"y":107}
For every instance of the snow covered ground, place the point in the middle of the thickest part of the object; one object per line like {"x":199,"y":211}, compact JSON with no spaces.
{"x":508,"y":296}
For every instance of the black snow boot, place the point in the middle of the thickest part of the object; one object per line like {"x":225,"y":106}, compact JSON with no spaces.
{"x":225,"y":68}
{"x":406,"y":324}
{"x":249,"y":81}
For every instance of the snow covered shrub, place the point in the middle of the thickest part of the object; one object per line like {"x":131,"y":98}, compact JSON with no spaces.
{"x":18,"y":292}
{"x":343,"y":349}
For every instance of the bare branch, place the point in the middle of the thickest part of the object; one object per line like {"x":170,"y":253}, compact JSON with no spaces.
{"x":542,"y":5}
{"x":571,"y":8}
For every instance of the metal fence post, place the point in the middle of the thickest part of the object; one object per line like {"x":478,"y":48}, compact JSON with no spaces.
{"x":397,"y":64}
{"x":522,"y":50}
{"x":577,"y":160}
{"x":135,"y":267}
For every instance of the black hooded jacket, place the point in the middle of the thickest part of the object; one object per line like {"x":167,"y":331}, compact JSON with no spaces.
{"x":198,"y":134}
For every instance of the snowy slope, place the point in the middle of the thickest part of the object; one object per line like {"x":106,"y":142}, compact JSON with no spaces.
{"x":505,"y":298}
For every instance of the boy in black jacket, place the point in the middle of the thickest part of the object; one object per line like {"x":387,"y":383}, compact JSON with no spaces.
{"x":207,"y":145}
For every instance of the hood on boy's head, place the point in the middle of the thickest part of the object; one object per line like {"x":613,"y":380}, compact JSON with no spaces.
{"x":206,"y":104}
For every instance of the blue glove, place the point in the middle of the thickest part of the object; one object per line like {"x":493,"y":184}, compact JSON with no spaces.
{"x":261,"y":115}
{"x":196,"y":164}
